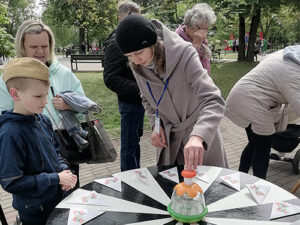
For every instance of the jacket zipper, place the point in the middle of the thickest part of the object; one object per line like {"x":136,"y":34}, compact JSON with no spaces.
{"x":36,"y":142}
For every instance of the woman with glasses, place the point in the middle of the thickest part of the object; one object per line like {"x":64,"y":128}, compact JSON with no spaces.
{"x":194,"y":29}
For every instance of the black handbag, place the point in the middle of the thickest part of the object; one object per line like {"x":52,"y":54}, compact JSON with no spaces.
{"x":99,"y":150}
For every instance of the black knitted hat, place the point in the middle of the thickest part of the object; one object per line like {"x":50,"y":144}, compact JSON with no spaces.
{"x":134,"y":33}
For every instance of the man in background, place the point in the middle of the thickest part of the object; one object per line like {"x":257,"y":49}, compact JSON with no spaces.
{"x":119,"y":78}
{"x":83,"y":48}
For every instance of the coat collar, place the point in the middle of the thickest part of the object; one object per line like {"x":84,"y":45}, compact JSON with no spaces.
{"x":174,"y":45}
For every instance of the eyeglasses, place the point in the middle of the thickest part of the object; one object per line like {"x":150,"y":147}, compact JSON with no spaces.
{"x":202,"y":28}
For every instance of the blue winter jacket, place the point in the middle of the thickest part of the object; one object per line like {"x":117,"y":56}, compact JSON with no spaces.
{"x":29,"y":162}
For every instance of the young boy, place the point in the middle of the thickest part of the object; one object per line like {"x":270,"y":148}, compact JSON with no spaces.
{"x":30,"y":167}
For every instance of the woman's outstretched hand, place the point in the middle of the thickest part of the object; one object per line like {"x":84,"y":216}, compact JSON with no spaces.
{"x":193,"y":153}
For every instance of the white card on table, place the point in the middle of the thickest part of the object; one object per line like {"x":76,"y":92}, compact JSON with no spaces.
{"x":170,"y":174}
{"x":243,"y":199}
{"x":201,"y":174}
{"x":259,"y":192}
{"x":90,"y":198}
{"x":152,"y":188}
{"x":79,"y":216}
{"x":232,"y":180}
{"x":111,"y":182}
{"x":141,"y":175}
{"x":212,"y":173}
{"x":280,"y":209}
{"x":115,"y":204}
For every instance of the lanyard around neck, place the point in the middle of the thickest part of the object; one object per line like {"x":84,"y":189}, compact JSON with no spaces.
{"x":158,"y":102}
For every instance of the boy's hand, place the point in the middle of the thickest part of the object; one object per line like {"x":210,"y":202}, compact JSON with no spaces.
{"x":59,"y":103}
{"x":66,"y":188}
{"x":67,"y":178}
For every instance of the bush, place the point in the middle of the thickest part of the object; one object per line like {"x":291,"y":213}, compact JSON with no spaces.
{"x":6,"y":44}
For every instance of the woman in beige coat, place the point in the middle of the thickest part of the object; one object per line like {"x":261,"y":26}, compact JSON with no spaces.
{"x":258,"y":103}
{"x":183,"y":104}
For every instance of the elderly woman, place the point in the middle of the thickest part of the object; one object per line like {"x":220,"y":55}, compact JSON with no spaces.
{"x":195,"y":28}
{"x":36,"y":40}
{"x":183,"y":104}
{"x":258,"y":102}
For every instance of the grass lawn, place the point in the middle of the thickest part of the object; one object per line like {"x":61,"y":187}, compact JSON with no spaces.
{"x":95,"y":89}
{"x":225,"y":75}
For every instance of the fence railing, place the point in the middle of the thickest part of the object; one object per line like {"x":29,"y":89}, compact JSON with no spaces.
{"x":273,"y":47}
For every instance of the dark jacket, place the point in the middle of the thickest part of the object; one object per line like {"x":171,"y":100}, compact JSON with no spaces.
{"x":117,"y":74}
{"x":29,"y":162}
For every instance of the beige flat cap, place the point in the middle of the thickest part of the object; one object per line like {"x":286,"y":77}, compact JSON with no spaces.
{"x":27,"y":68}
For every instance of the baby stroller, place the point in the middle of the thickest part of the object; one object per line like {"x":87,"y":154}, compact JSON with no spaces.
{"x":286,"y":142}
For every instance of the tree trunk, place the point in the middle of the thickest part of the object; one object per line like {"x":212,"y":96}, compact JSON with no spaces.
{"x":252,"y":36}
{"x":241,"y":52}
{"x":81,"y":36}
{"x":267,"y":28}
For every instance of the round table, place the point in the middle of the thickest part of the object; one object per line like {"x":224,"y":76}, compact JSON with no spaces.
{"x":225,"y":205}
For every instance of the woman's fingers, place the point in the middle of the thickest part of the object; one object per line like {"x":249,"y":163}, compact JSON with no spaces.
{"x":163,"y":137}
{"x":193,"y":153}
{"x":159,"y":140}
{"x":59,"y":103}
{"x":196,"y":159}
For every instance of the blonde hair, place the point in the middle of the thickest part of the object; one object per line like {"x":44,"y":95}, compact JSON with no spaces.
{"x":24,"y":83}
{"x":33,"y":27}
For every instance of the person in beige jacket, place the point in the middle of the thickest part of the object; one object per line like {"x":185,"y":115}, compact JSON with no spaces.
{"x":182,"y":102}
{"x":258,"y":102}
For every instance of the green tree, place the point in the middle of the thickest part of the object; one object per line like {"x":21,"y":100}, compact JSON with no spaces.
{"x":251,"y":9}
{"x":17,"y":12}
{"x":97,"y":17}
{"x":170,"y":12}
{"x":64,"y":35}
{"x":6,"y":40}
{"x":283,"y":26}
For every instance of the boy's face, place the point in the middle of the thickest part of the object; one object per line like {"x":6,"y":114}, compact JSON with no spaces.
{"x":37,"y":46}
{"x":33,"y":99}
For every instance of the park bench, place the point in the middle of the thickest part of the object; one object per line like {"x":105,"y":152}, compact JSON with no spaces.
{"x":216,"y":54}
{"x":86,"y":58}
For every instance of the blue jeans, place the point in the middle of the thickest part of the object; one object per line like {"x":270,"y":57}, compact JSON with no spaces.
{"x":132,"y":122}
